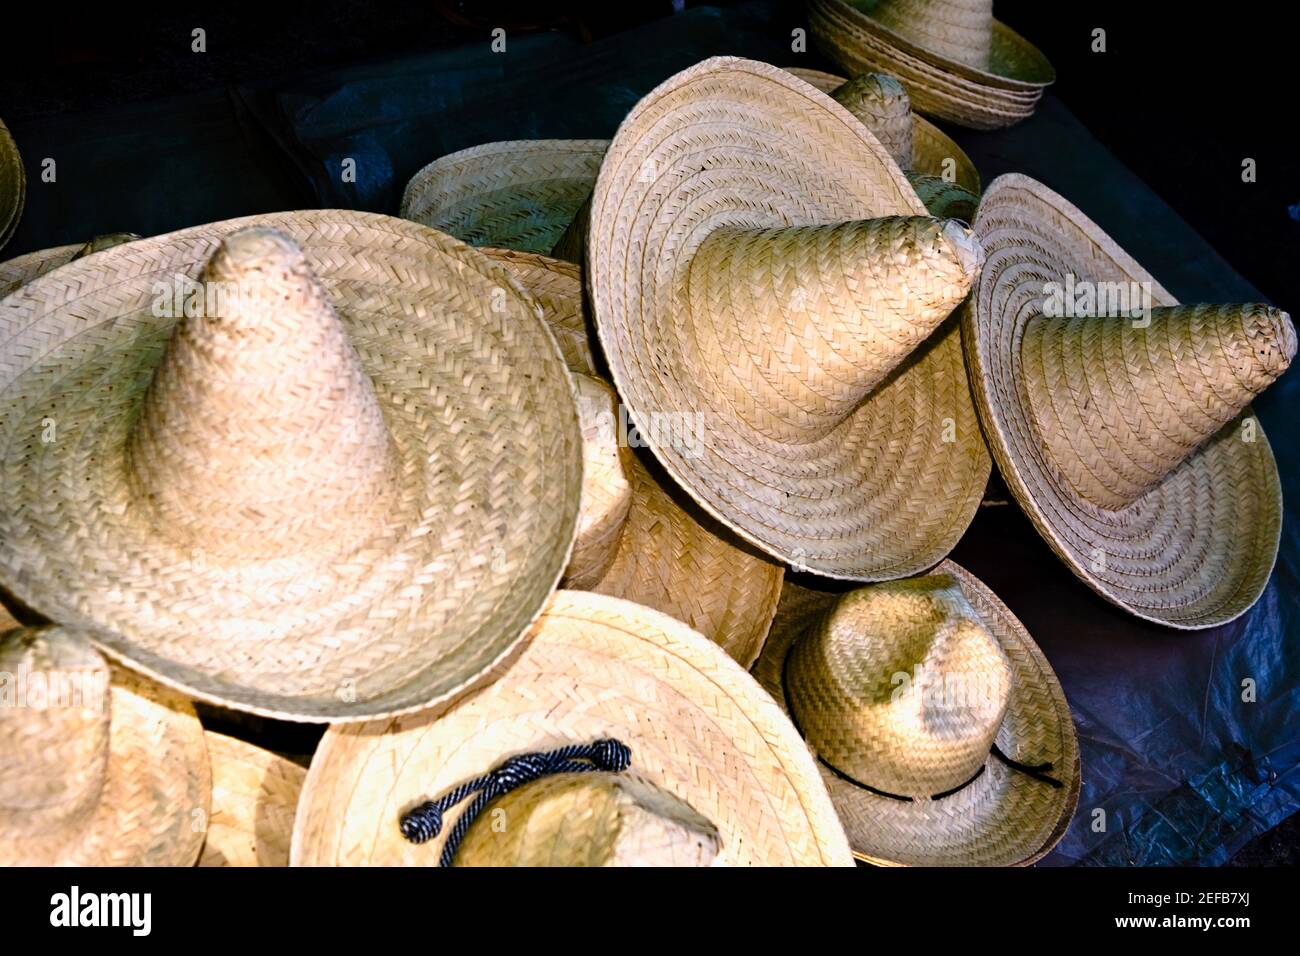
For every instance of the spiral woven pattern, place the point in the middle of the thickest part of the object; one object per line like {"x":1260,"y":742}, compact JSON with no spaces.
{"x":13,"y":185}
{"x":1196,"y":549}
{"x":20,"y":270}
{"x":254,"y":796}
{"x":594,"y":667}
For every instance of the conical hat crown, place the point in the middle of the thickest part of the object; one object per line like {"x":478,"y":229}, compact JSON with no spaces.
{"x":1120,"y":402}
{"x":960,"y":30}
{"x":883,"y":106}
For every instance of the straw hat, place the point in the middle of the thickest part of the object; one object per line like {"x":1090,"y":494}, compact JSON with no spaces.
{"x":942,"y":734}
{"x":342,"y":487}
{"x":606,"y":490}
{"x":13,"y":185}
{"x":100,"y":767}
{"x":1129,"y":444}
{"x":20,"y":270}
{"x":594,"y":669}
{"x":957,"y":62}
{"x":925,"y":152}
{"x":765,"y":282}
{"x":254,"y":795}
{"x":520,"y":194}
{"x":556,"y":286}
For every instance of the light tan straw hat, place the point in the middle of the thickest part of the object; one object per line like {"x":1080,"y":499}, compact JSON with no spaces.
{"x":254,"y":795}
{"x":602,"y":681}
{"x":13,"y":185}
{"x":942,"y":734}
{"x":341,"y":485}
{"x":771,"y":298}
{"x":99,"y":767}
{"x":520,"y":194}
{"x":20,"y":270}
{"x":957,"y":62}
{"x":556,"y":286}
{"x":1123,"y":429}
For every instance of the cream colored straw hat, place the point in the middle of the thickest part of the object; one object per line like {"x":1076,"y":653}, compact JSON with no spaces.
{"x":1125,"y":433}
{"x":254,"y":795}
{"x":771,"y":298}
{"x":594,"y":669}
{"x":520,"y":194}
{"x":942,"y":734}
{"x":20,"y":270}
{"x":99,"y":767}
{"x":341,"y":486}
{"x":13,"y":185}
{"x":957,"y":62}
{"x":556,"y":286}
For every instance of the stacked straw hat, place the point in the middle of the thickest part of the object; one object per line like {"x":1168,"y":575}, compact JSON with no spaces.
{"x":767,"y":284}
{"x":20,"y":270}
{"x":1125,"y":433}
{"x":333,"y":475}
{"x":941,"y":732}
{"x":254,"y":795}
{"x":957,"y":62}
{"x":603,"y":686}
{"x":100,"y":767}
{"x":13,"y":185}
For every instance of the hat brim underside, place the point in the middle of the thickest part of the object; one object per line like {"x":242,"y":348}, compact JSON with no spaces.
{"x":254,"y":796}
{"x":594,"y":667}
{"x":743,"y":144}
{"x":1197,"y":550}
{"x":520,"y":194}
{"x":481,"y":412}
{"x":13,"y":185}
{"x":1003,"y":818}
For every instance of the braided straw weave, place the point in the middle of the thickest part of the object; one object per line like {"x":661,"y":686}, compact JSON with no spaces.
{"x":520,"y":194}
{"x":606,"y":490}
{"x":905,"y":688}
{"x":1131,"y":448}
{"x":345,"y":493}
{"x":556,"y":286}
{"x":595,"y":667}
{"x":13,"y":185}
{"x":20,"y":270}
{"x":254,"y":795}
{"x":99,"y":767}
{"x":956,"y":61}
{"x":765,"y":281}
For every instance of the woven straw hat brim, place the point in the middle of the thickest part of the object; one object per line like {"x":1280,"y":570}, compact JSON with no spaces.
{"x":556,"y":286}
{"x":698,"y":727}
{"x":1003,"y":818}
{"x":254,"y":796}
{"x":479,"y":407}
{"x":745,"y":144}
{"x":520,"y":194}
{"x":20,"y":270}
{"x":13,"y":185}
{"x":156,"y":792}
{"x":1196,"y":550}
{"x":931,"y":146}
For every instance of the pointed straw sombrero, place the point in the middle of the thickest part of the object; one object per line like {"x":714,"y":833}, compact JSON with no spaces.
{"x":254,"y":796}
{"x":341,"y":486}
{"x":957,"y":62}
{"x":595,"y":668}
{"x":13,"y":185}
{"x":520,"y":194}
{"x":100,"y":767}
{"x":771,"y":298}
{"x":940,"y":729}
{"x":1126,"y":438}
{"x":20,"y":270}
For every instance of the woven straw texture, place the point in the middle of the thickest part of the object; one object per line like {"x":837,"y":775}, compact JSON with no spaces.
{"x":557,"y":287}
{"x":1002,"y":94}
{"x":13,"y":185}
{"x":254,"y":795}
{"x":606,"y":488}
{"x":20,"y":270}
{"x":736,"y":245}
{"x":595,"y":667}
{"x":1151,"y":499}
{"x":975,"y":678}
{"x":100,"y":767}
{"x":520,"y":194}
{"x":349,"y":498}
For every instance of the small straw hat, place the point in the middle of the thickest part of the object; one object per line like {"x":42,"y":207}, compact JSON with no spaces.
{"x":957,"y":62}
{"x":774,"y":305}
{"x":341,"y":485}
{"x":254,"y":795}
{"x":520,"y":194}
{"x":13,"y":185}
{"x":597,"y":673}
{"x":942,"y":734}
{"x":1125,"y":433}
{"x":20,"y":270}
{"x":99,"y":767}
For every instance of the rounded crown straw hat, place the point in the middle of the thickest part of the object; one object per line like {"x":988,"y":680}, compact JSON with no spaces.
{"x":13,"y":185}
{"x":20,"y":270}
{"x":341,"y":484}
{"x":99,"y":767}
{"x":768,"y":285}
{"x":602,"y":680}
{"x":254,"y":796}
{"x":520,"y":194}
{"x":942,"y":734}
{"x":1119,"y":418}
{"x":957,"y":61}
